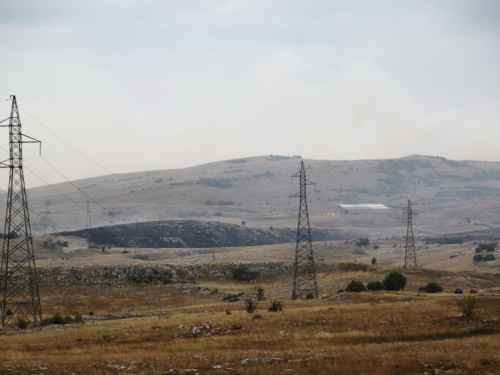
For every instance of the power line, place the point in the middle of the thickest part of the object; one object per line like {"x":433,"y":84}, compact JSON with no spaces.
{"x":64,"y":195}
{"x":81,"y":191}
{"x":67,"y":144}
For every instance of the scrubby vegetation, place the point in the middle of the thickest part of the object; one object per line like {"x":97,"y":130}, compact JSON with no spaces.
{"x":395,"y":281}
{"x":242,"y":274}
{"x":355,"y":286}
{"x":432,"y":287}
{"x":444,"y":240}
{"x":375,"y":285}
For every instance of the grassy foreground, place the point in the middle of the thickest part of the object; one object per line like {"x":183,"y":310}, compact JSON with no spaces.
{"x":177,"y":330}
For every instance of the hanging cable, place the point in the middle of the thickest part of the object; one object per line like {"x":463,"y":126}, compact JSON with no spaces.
{"x":64,"y":195}
{"x":67,"y":144}
{"x":81,"y":191}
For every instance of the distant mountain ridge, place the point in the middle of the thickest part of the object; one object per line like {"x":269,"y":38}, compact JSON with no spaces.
{"x":450,"y":196}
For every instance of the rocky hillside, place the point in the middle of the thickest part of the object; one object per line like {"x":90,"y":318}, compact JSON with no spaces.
{"x":191,"y":234}
{"x":449,"y":196}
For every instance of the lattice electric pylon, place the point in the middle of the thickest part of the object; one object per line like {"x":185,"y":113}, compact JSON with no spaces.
{"x":304,"y":271}
{"x":410,"y":253}
{"x":88,"y":222}
{"x":19,"y":297}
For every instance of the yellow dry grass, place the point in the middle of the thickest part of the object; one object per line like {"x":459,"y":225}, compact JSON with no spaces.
{"x":365,"y":333}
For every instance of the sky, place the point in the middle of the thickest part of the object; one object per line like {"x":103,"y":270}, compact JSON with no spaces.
{"x":147,"y":85}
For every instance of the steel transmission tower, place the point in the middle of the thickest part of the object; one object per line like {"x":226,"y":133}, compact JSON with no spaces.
{"x":18,"y":278}
{"x":410,"y":253}
{"x":88,"y":223}
{"x":304,"y":272}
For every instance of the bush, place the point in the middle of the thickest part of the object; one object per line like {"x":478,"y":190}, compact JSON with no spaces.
{"x":489,"y":257}
{"x":233,"y":297}
{"x":395,"y":281}
{"x":57,"y":319}
{"x":249,"y":305}
{"x":260,"y":294}
{"x":487,"y":246}
{"x":276,"y":306}
{"x":374,"y":260}
{"x":433,"y":287}
{"x":355,"y":286}
{"x":375,"y":247}
{"x":478,"y":258}
{"x":466,"y":304}
{"x":309,"y":296}
{"x":242,"y":274}
{"x":21,"y":323}
{"x":362,"y":242}
{"x":375,"y":285}
{"x":478,"y":250}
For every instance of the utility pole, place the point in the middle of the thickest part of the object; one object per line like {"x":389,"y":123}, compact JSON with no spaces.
{"x":19,"y":297}
{"x":88,"y":223}
{"x":304,"y":271}
{"x":410,"y":253}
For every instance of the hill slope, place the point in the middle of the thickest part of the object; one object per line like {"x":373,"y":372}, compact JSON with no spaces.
{"x":449,"y":196}
{"x":191,"y":234}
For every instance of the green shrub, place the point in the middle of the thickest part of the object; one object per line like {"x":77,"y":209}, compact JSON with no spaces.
{"x":487,"y":246}
{"x":375,"y":285}
{"x":362,"y":242}
{"x":233,"y":297}
{"x":478,"y":250}
{"x":355,"y":286}
{"x":395,"y":281}
{"x":276,"y":306}
{"x":478,"y":258}
{"x":433,"y":287}
{"x":374,"y":260}
{"x":309,"y":296}
{"x":57,"y":319}
{"x":21,"y":323}
{"x":489,"y":257}
{"x":250,"y":305}
{"x":78,"y":318}
{"x":242,"y":274}
{"x":260,"y":294}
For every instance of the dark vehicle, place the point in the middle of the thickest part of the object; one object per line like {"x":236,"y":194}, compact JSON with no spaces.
{"x":473,"y":291}
{"x":459,"y":291}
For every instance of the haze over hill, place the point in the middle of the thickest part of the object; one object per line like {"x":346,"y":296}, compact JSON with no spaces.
{"x":449,"y":196}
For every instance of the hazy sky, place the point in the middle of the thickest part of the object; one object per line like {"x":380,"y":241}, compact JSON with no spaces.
{"x":142,"y":85}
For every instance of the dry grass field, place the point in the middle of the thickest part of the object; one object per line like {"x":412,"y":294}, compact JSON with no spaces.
{"x":176,"y":328}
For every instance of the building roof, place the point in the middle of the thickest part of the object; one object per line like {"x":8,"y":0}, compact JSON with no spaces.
{"x":364,"y":206}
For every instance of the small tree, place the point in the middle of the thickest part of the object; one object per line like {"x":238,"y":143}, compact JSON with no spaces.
{"x":466,"y":304}
{"x":395,"y":281}
{"x":375,"y":285}
{"x":374,"y":260}
{"x":249,"y":305}
{"x":355,"y":286}
{"x":260,"y":294}
{"x":433,"y":287}
{"x":243,"y":222}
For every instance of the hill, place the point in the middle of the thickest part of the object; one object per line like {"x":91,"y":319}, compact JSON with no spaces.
{"x":449,"y":196}
{"x":190,"y":234}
